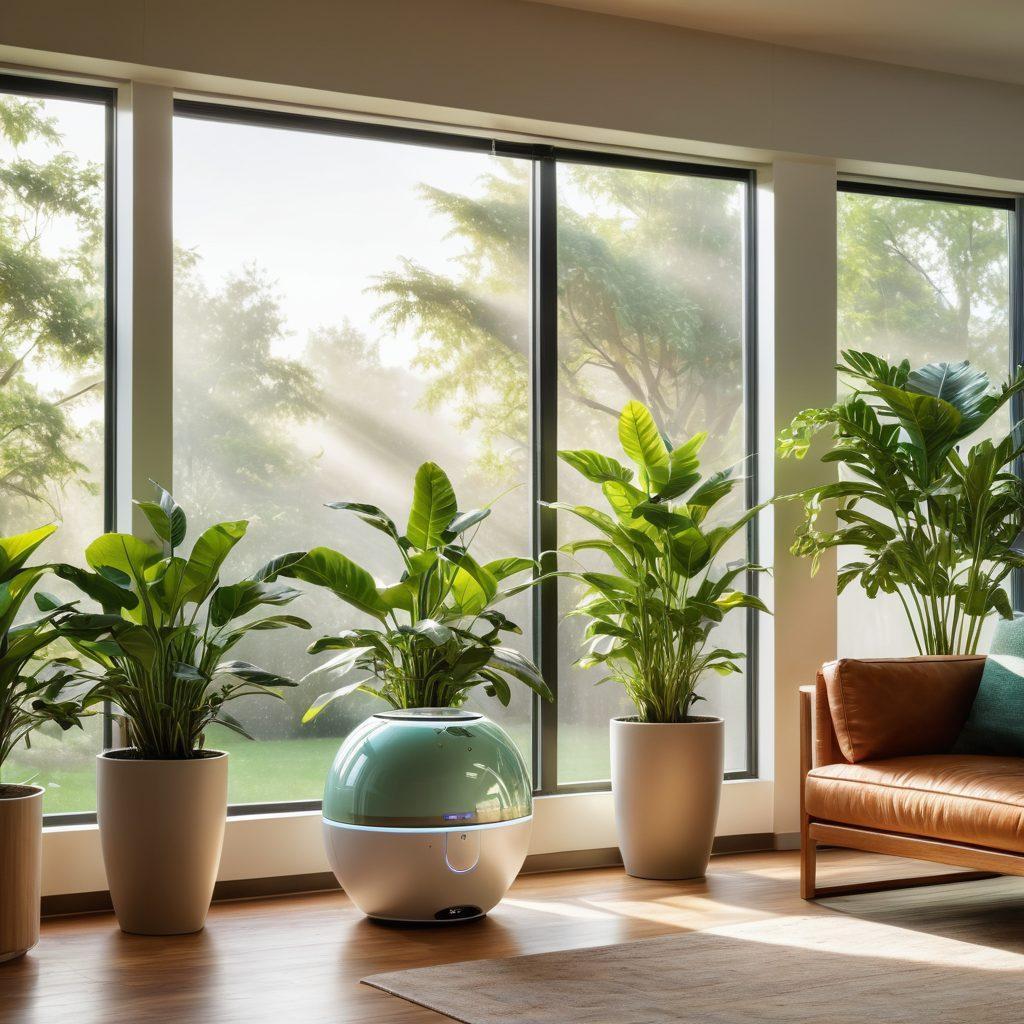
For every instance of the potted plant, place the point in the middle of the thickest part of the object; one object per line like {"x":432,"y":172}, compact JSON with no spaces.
{"x":437,"y":633}
{"x":651,"y":615}
{"x":937,"y":526}
{"x":402,"y":835}
{"x":30,"y":695}
{"x":166,"y":627}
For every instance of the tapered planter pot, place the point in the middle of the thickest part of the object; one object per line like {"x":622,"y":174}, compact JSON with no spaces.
{"x":21,"y":848}
{"x":666,"y":783}
{"x":162,"y":829}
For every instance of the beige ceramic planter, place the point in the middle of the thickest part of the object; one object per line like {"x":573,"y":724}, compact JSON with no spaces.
{"x":162,"y":829}
{"x":666,"y":782}
{"x":21,"y":849}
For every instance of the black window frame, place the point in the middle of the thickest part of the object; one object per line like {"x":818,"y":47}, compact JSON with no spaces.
{"x":543,"y":384}
{"x":1014,"y":206}
{"x":544,"y":160}
{"x":45,"y":88}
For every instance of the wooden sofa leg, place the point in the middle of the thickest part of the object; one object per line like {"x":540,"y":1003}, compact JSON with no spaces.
{"x":808,"y":863}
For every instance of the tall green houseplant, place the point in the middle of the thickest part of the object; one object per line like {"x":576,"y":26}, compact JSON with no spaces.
{"x":652,"y":610}
{"x":931,"y":519}
{"x":436,"y":633}
{"x":159,"y":647}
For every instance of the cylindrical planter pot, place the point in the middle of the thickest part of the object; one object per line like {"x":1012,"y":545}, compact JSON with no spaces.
{"x":666,"y":783}
{"x":161,"y":829}
{"x":21,"y":855}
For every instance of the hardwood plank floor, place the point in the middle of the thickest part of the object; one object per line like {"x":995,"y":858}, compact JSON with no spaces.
{"x":300,"y":958}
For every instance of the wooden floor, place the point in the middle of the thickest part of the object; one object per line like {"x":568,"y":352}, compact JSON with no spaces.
{"x":300,"y":958}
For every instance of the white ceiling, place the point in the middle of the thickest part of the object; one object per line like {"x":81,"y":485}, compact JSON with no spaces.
{"x":982,"y":38}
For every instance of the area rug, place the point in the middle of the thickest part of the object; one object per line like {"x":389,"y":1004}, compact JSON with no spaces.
{"x":821,"y":969}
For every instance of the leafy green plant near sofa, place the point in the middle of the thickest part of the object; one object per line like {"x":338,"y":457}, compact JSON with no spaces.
{"x":938,"y":524}
{"x":652,"y":612}
{"x":159,"y":647}
{"x":437,"y":634}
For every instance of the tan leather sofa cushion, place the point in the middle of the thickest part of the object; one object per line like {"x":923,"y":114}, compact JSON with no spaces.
{"x":896,"y":707}
{"x":957,"y":797}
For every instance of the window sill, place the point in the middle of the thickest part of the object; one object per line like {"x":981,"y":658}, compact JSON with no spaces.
{"x":266,"y":845}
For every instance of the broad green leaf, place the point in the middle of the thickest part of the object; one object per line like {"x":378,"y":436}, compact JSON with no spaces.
{"x":502,"y":568}
{"x":433,"y":507}
{"x":123,"y":552}
{"x":595,"y":466}
{"x":236,"y":600}
{"x":166,"y":516}
{"x":463,"y":521}
{"x":98,"y":586}
{"x":330,"y":569}
{"x":643,"y":443}
{"x":15,"y":550}
{"x":511,"y":662}
{"x":326,"y":699}
{"x":208,"y":554}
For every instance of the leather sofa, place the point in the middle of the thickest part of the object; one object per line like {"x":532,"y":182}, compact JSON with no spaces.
{"x":878,"y":772}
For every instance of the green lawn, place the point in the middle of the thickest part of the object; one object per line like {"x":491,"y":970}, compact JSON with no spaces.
{"x":264,"y":772}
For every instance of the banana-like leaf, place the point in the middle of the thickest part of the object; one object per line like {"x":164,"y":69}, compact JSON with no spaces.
{"x":330,"y":569}
{"x":252,"y":674}
{"x":433,"y":507}
{"x":642,"y":442}
{"x":166,"y":516}
{"x":502,"y":568}
{"x":15,"y":550}
{"x":123,"y":552}
{"x":326,"y":699}
{"x":463,"y":521}
{"x":231,"y":602}
{"x":208,"y":554}
{"x":511,"y":662}
{"x":595,"y":466}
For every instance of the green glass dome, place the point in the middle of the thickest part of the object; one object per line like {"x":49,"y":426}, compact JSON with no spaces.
{"x":427,"y":768}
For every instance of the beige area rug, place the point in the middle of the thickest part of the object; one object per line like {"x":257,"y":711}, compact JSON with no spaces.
{"x":820,"y":969}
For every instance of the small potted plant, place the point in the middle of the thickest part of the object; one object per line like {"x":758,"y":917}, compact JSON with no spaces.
{"x":651,"y":615}
{"x":30,"y":695}
{"x":166,"y":627}
{"x":438,"y":633}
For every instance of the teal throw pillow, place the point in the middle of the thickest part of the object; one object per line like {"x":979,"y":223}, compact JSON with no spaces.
{"x":995,"y":724}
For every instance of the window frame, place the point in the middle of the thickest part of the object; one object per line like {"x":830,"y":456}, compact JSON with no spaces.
{"x":46,"y":88}
{"x":1013,"y":204}
{"x":543,"y":385}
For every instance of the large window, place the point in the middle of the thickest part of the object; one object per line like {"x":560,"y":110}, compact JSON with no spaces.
{"x":923,"y":277}
{"x":54,"y":346}
{"x":351,"y":301}
{"x":651,"y":306}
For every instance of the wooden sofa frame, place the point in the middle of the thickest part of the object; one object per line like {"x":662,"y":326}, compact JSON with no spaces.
{"x":981,"y":861}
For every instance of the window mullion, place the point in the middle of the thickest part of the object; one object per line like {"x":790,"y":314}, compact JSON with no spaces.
{"x":544,"y":283}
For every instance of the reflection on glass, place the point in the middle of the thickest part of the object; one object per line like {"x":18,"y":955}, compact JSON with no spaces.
{"x":345,"y":310}
{"x":52,"y":335}
{"x":650,"y":307}
{"x":927,"y":281}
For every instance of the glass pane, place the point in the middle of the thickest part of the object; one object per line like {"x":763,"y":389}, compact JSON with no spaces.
{"x":52,"y":337}
{"x":650,"y":307}
{"x":926,"y":281}
{"x":344,"y":310}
